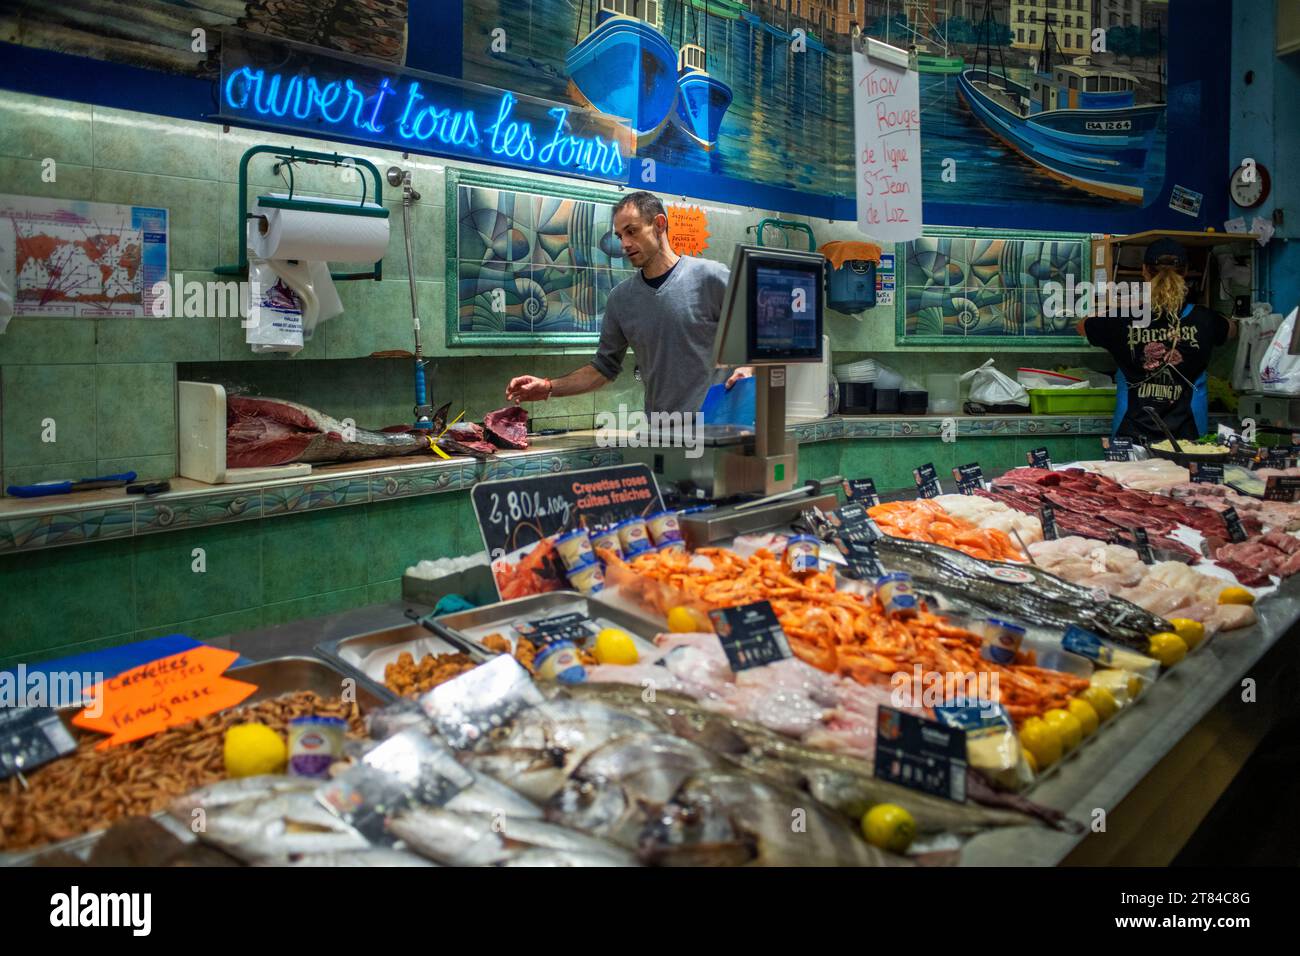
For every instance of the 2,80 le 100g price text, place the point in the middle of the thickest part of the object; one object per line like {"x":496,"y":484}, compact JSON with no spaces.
{"x":522,"y":507}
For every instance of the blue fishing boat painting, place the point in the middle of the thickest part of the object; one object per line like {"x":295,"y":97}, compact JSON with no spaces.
{"x":626,"y":67}
{"x":702,"y":99}
{"x":1078,"y":123}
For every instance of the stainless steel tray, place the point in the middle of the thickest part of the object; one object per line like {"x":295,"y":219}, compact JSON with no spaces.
{"x":280,"y":675}
{"x":368,"y":654}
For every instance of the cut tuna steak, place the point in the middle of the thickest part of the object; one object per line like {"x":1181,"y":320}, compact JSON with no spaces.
{"x":272,"y":431}
{"x":507,"y":427}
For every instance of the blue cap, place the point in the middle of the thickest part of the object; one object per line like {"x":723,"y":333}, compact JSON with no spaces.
{"x":1165,"y":252}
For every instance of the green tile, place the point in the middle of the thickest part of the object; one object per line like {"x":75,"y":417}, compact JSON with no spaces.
{"x":34,"y":127}
{"x":317,"y":605}
{"x":54,"y":471}
{"x":37,"y":340}
{"x":33,"y":394}
{"x":159,"y":340}
{"x":68,"y":650}
{"x":819,"y":460}
{"x":1062,"y":448}
{"x":65,"y":596}
{"x":149,"y":143}
{"x":135,"y":410}
{"x":402,"y":533}
{"x":191,"y":204}
{"x":169,"y":588}
{"x":376,"y":318}
{"x":207,"y":628}
{"x":315,"y":552}
{"x":384,"y":591}
{"x":27,"y":177}
{"x":146,"y":467}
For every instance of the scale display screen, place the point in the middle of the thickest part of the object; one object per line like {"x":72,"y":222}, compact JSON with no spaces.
{"x":785,"y":310}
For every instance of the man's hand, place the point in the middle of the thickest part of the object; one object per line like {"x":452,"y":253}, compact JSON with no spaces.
{"x":528,"y":388}
{"x":745,"y":371}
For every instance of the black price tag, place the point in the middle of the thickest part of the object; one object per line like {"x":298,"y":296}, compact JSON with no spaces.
{"x":970,"y":478}
{"x":1047,"y":517}
{"x":863,"y":562}
{"x":751,"y":635}
{"x":1281,"y":457}
{"x":1118,"y":449}
{"x":1242,"y":453}
{"x":852,"y":521}
{"x":31,"y":737}
{"x":862,"y":489}
{"x":563,"y":627}
{"x":1039,"y":458}
{"x":921,"y":754}
{"x":1206,"y":474}
{"x":1143,"y":546}
{"x":1236,"y":533}
{"x":927,"y":481}
{"x":1281,"y":488}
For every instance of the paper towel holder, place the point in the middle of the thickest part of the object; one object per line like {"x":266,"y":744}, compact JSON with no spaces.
{"x":286,"y":157}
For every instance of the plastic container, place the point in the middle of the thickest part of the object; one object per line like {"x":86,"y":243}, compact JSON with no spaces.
{"x":886,"y":400}
{"x":607,"y":538}
{"x":896,"y":594}
{"x":1071,"y":401}
{"x":560,"y":662}
{"x":913,"y":402}
{"x":634,"y":537}
{"x":1002,"y":640}
{"x":575,"y":549}
{"x":589,"y":578}
{"x":857,"y":398}
{"x":314,"y":744}
{"x":802,"y":554}
{"x":664,"y":527}
{"x":945,"y":392}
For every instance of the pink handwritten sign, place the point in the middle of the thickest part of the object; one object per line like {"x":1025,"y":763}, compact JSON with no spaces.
{"x":887,"y":139}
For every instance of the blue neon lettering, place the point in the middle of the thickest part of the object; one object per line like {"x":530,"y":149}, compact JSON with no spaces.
{"x":374,"y":125}
{"x":412,"y":97}
{"x":503,"y":135}
{"x":326,"y":99}
{"x":354,"y":96}
{"x":248,"y":77}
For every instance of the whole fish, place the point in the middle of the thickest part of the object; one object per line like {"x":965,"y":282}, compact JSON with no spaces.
{"x":729,"y":818}
{"x":277,"y":828}
{"x":537,"y":856}
{"x":237,"y":790}
{"x":374,"y":856}
{"x":621,"y":785}
{"x":273,"y":431}
{"x":1023,"y":590}
{"x":483,"y":839}
{"x":534,"y":751}
{"x":488,"y":795}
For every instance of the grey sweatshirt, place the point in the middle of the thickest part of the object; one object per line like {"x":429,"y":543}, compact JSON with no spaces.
{"x":671,"y":330}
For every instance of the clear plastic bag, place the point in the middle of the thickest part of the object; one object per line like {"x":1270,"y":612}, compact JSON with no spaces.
{"x":988,"y":386}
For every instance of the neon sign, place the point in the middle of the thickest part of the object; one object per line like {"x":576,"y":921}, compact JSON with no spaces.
{"x":320,"y":93}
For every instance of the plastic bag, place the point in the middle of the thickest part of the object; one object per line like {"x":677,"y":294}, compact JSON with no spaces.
{"x":275,"y":319}
{"x":988,"y":386}
{"x":1279,"y":372}
{"x":1254,"y":333}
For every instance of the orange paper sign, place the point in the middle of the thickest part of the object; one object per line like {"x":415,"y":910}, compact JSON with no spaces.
{"x":163,"y":693}
{"x":688,"y":230}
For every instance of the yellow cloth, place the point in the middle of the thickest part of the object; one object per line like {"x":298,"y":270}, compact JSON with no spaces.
{"x":841,"y":251}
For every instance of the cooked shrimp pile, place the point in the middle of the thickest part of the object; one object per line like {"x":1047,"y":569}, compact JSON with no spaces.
{"x":923,"y":520}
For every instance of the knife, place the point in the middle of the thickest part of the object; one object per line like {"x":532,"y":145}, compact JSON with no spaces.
{"x":44,"y":488}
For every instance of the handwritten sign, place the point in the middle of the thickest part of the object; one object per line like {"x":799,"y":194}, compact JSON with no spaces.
{"x":887,"y":143}
{"x":518,"y":515}
{"x":164,"y":693}
{"x":688,"y":230}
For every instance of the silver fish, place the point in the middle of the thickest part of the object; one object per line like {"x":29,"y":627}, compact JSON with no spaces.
{"x":556,"y":858}
{"x":375,"y":856}
{"x":482,"y":839}
{"x":278,"y":828}
{"x":237,"y":790}
{"x":487,"y":795}
{"x":730,"y":818}
{"x":617,"y":789}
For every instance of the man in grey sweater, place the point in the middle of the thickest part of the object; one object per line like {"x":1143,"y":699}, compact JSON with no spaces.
{"x":668,"y":313}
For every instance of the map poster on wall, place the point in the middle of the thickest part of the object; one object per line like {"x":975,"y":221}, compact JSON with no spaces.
{"x":67,"y":258}
{"x":887,"y":140}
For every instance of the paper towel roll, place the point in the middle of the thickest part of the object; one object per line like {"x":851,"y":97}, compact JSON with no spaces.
{"x":319,"y":236}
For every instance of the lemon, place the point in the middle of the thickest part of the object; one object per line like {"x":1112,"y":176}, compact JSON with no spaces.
{"x":682,"y":620}
{"x":1084,"y":713}
{"x":889,"y":826}
{"x":1102,"y":701}
{"x":1042,"y":741}
{"x":615,"y":647}
{"x":1029,"y":759}
{"x":1167,"y":647}
{"x":1236,"y":595}
{"x":1067,"y":725}
{"x":1192,"y":632}
{"x":252,"y":749}
{"x":1135,"y":687}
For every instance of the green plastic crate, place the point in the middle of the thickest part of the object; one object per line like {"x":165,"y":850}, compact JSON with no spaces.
{"x":1070,"y":401}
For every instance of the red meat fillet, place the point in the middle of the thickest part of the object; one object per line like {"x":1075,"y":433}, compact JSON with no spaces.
{"x":507,"y":427}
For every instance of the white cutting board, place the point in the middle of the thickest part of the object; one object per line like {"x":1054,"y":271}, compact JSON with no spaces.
{"x":202,"y":440}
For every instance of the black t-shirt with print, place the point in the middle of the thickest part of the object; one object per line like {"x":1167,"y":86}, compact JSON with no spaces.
{"x":1161,"y":364}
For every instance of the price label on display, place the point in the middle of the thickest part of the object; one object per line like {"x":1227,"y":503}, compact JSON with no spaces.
{"x":1236,"y":533}
{"x":861,"y":558}
{"x":1047,"y":517}
{"x":31,"y":737}
{"x":927,"y":481}
{"x":921,"y":754}
{"x":1206,"y":473}
{"x":969,"y":478}
{"x":1281,"y":488}
{"x":1143,"y":543}
{"x":1118,"y":449}
{"x":751,"y":635}
{"x":1283,"y":457}
{"x":1039,"y":458}
{"x":852,"y":521}
{"x":862,"y":489}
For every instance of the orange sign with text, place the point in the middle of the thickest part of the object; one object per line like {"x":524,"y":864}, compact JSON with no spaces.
{"x":164,"y":693}
{"x":688,"y":230}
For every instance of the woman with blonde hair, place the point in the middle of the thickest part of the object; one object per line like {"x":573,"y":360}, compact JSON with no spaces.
{"x":1162,"y":353}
